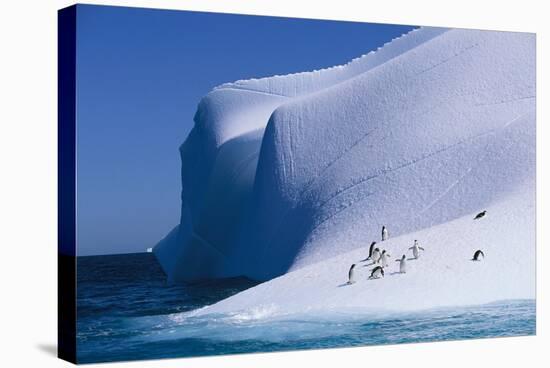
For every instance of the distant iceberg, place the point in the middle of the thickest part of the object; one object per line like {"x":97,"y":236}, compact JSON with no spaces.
{"x":298,"y":173}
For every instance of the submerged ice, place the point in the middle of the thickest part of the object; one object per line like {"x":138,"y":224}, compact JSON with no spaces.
{"x":295,"y":175}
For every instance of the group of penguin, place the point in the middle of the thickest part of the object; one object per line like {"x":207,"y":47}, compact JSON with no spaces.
{"x":380,"y":258}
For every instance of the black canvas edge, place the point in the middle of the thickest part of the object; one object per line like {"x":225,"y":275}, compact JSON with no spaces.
{"x":66,"y":161}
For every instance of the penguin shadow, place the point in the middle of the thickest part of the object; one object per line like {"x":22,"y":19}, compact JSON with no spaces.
{"x":346,"y":284}
{"x":372,"y":278}
{"x":369,"y":264}
{"x":397,"y":273}
{"x":412,"y":259}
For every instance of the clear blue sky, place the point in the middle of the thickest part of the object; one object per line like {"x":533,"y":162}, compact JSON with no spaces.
{"x":140,"y":76}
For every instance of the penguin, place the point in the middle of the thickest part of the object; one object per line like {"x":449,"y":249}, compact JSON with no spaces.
{"x":377,"y":272}
{"x":376,"y":255}
{"x":402,"y":264}
{"x":371,"y":249}
{"x":480,"y":215}
{"x":385,"y":234}
{"x":478,"y":255}
{"x":416,"y":249}
{"x":384,"y":258}
{"x":351,"y":274}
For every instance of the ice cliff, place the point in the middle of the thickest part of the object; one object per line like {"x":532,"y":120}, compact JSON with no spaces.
{"x":284,"y":174}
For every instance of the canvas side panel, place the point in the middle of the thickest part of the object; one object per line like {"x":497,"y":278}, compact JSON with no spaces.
{"x":66,"y":277}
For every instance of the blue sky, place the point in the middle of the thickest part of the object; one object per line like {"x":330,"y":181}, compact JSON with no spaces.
{"x":140,"y":76}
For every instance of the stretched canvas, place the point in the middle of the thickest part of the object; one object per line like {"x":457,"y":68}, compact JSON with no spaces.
{"x":238,"y":184}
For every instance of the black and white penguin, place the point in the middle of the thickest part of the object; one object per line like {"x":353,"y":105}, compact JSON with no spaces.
{"x":376,"y":255}
{"x":416,"y":249}
{"x":377,"y":272}
{"x":478,"y":255}
{"x":351,"y":274}
{"x":402,"y":264}
{"x":480,"y":215}
{"x":384,"y":258}
{"x":371,"y":249}
{"x":385,"y":234}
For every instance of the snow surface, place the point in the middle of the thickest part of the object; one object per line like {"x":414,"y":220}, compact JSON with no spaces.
{"x":290,"y":178}
{"x":444,"y":274}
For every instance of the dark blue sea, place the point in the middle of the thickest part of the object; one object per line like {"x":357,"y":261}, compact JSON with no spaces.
{"x":127,"y":311}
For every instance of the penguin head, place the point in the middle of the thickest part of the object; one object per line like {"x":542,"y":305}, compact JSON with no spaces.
{"x":353,"y":266}
{"x":377,"y":249}
{"x":403,"y":258}
{"x":371,"y":244}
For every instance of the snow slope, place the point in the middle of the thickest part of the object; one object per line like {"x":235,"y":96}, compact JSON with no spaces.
{"x":285,"y":172}
{"x":444,"y":275}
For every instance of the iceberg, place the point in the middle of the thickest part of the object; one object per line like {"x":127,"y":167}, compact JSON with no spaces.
{"x":289,"y":178}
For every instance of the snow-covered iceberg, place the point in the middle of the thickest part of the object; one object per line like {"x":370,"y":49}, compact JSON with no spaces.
{"x":295,"y":176}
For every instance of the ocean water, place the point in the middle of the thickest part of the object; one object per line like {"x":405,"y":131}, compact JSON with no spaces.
{"x":127,"y":311}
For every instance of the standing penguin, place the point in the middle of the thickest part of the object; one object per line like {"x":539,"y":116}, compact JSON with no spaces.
{"x":376,"y":255}
{"x":384,"y":258}
{"x":351,"y":274}
{"x":402,"y":264}
{"x":385,"y":234}
{"x":377,"y":272}
{"x":371,"y":249}
{"x":478,"y":255}
{"x":416,"y":249}
{"x":480,"y":215}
